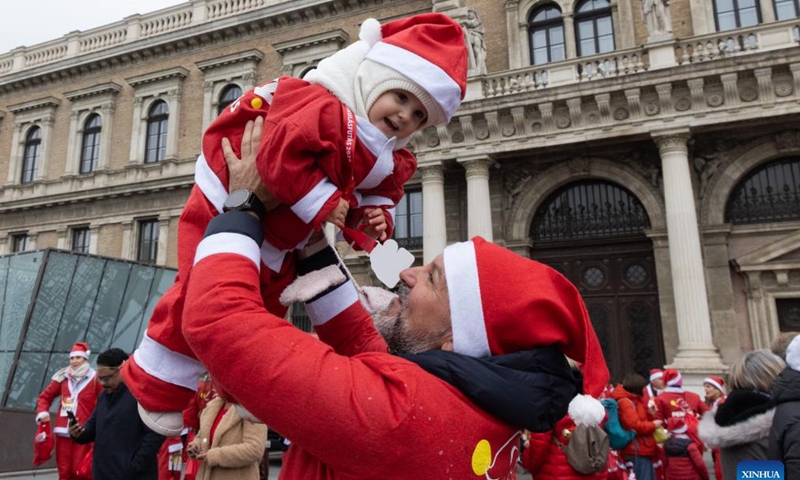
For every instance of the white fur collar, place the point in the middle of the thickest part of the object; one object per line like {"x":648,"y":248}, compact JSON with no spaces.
{"x":753,"y":429}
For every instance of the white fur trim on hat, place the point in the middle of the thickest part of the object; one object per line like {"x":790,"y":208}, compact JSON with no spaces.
{"x":656,"y":375}
{"x":424,"y":73}
{"x":79,"y":353}
{"x":793,"y":354}
{"x":586,"y":410}
{"x":714,"y":384}
{"x":383,"y":79}
{"x":466,"y":308}
{"x":682,"y":429}
{"x":677,"y":381}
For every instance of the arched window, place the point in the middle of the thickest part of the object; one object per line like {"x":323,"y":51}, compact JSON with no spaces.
{"x":589,"y":209}
{"x":593,"y":28}
{"x":771,"y":193}
{"x":30,"y":156}
{"x":786,"y":9}
{"x":90,"y":149}
{"x":546,"y":32}
{"x":156,"y":146}
{"x":732,"y":14}
{"x":228,"y":95}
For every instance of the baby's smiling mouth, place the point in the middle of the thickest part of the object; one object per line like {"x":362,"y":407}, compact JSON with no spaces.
{"x":391,"y":124}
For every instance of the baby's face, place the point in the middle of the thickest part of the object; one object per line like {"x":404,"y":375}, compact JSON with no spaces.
{"x":397,"y":113}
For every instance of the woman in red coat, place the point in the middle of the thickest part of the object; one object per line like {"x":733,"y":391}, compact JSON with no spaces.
{"x":633,"y":416}
{"x":78,"y":388}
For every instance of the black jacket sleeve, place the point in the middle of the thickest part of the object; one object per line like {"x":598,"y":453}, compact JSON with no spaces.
{"x":87,"y":436}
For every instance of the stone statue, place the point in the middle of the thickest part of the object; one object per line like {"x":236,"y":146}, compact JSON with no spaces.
{"x":476,"y":48}
{"x":657,"y":18}
{"x":707,"y":163}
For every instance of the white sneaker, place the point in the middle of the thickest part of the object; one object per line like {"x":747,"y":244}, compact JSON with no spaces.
{"x":245,"y":414}
{"x":169,"y":424}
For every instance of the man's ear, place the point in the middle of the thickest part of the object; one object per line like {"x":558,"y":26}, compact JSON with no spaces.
{"x":448,"y":343}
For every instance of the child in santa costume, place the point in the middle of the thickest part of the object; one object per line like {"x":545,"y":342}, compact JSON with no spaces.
{"x":715,"y":396}
{"x":674,"y":401}
{"x":78,"y":389}
{"x":332,"y":142}
{"x":452,"y":408}
{"x":684,"y":455}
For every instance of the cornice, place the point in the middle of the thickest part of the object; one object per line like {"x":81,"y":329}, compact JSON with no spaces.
{"x":339,"y":36}
{"x":109,"y":87}
{"x":235,"y":28}
{"x":248,"y":55}
{"x":46,"y":102}
{"x":152,"y":77}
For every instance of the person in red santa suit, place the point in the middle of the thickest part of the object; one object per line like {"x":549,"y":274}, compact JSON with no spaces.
{"x":674,"y":401}
{"x":440,"y":383}
{"x":715,"y":396}
{"x":78,"y":389}
{"x":332,"y":149}
{"x":653,"y":388}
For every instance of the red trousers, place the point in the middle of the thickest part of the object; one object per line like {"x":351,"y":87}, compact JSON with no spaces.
{"x":68,"y":455}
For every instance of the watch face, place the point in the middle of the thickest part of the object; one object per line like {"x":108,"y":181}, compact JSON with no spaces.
{"x":237,"y":198}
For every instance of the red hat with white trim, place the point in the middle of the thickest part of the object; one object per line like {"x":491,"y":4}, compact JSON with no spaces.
{"x":673,"y":378}
{"x":80,"y":349}
{"x":715,"y":382}
{"x":424,"y":54}
{"x":502,"y":303}
{"x":656,"y":373}
{"x":676,"y":425}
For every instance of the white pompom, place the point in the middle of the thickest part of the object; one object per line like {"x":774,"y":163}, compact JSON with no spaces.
{"x":587,"y":411}
{"x":370,"y":31}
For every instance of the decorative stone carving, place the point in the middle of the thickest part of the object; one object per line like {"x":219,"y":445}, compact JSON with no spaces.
{"x":682,"y":104}
{"x":516,"y":176}
{"x":715,"y":100}
{"x":658,"y":19}
{"x":621,"y":114}
{"x":748,"y":94}
{"x":651,"y":109}
{"x":578,"y":166}
{"x":783,"y":89}
{"x":476,"y":48}
{"x":707,"y":160}
{"x":509,"y":131}
{"x":650,"y":170}
{"x":562,"y":121}
{"x":788,"y":141}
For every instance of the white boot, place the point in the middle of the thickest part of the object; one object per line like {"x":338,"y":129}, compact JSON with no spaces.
{"x":169,"y":424}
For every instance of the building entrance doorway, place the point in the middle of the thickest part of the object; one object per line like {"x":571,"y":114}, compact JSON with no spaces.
{"x":593,"y":233}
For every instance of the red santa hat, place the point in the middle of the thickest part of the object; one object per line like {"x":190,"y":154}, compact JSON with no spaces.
{"x":80,"y":349}
{"x":425,"y":55}
{"x":715,"y":382}
{"x":656,"y":373}
{"x":502,"y":303}
{"x":676,"y":425}
{"x":673,"y":378}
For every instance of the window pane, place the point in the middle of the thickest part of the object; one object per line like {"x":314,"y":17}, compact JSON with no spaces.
{"x":401,"y":227}
{"x":724,"y":6}
{"x":28,"y":379}
{"x":22,"y":273}
{"x":727,"y":21}
{"x":80,"y":303}
{"x":416,"y":225}
{"x":557,"y":53}
{"x":109,"y":298}
{"x":587,"y":47}
{"x":604,"y":26}
{"x":162,"y":281}
{"x":416,"y":202}
{"x":6,"y":358}
{"x":606,"y":44}
{"x":785,"y":10}
{"x":48,"y":307}
{"x":539,"y":38}
{"x":586,"y":30}
{"x":540,"y":56}
{"x":132,"y":308}
{"x":748,"y":17}
{"x":556,"y":35}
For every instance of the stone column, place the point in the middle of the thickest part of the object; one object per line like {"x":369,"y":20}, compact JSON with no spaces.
{"x":479,"y":210}
{"x":696,"y":351}
{"x":569,"y":36}
{"x":434,"y":228}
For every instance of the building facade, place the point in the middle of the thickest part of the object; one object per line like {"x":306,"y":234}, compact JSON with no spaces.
{"x":649,"y":150}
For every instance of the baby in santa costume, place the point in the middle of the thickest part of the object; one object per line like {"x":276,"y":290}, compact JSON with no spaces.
{"x":78,"y":387}
{"x":332,"y":149}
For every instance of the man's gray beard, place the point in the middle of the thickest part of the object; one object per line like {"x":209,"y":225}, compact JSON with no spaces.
{"x":394,"y":331}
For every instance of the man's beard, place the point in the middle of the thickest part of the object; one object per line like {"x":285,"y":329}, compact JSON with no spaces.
{"x":394,"y":329}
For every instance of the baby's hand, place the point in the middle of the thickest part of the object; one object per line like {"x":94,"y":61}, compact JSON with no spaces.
{"x":376,"y":223}
{"x":338,"y":215}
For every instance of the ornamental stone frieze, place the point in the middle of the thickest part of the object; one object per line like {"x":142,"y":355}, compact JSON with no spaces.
{"x":607,"y":108}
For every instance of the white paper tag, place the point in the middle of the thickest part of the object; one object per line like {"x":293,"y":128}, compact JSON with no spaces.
{"x":388,"y":260}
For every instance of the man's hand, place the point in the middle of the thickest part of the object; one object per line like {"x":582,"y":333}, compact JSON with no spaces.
{"x":338,"y":215}
{"x":243,"y":173}
{"x":75,"y":429}
{"x":376,"y":223}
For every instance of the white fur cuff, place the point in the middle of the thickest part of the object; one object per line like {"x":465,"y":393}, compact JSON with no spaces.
{"x":42,"y":416}
{"x":310,"y":285}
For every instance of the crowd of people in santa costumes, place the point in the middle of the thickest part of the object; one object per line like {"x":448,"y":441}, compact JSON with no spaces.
{"x":77,"y":387}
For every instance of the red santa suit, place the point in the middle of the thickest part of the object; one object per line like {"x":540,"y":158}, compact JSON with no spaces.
{"x":79,"y":397}
{"x":315,"y":151}
{"x":719,"y":384}
{"x":675,"y":402}
{"x":343,"y":400}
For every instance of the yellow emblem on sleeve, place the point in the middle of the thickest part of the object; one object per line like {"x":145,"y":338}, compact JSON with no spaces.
{"x":256,"y":103}
{"x":482,"y":458}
